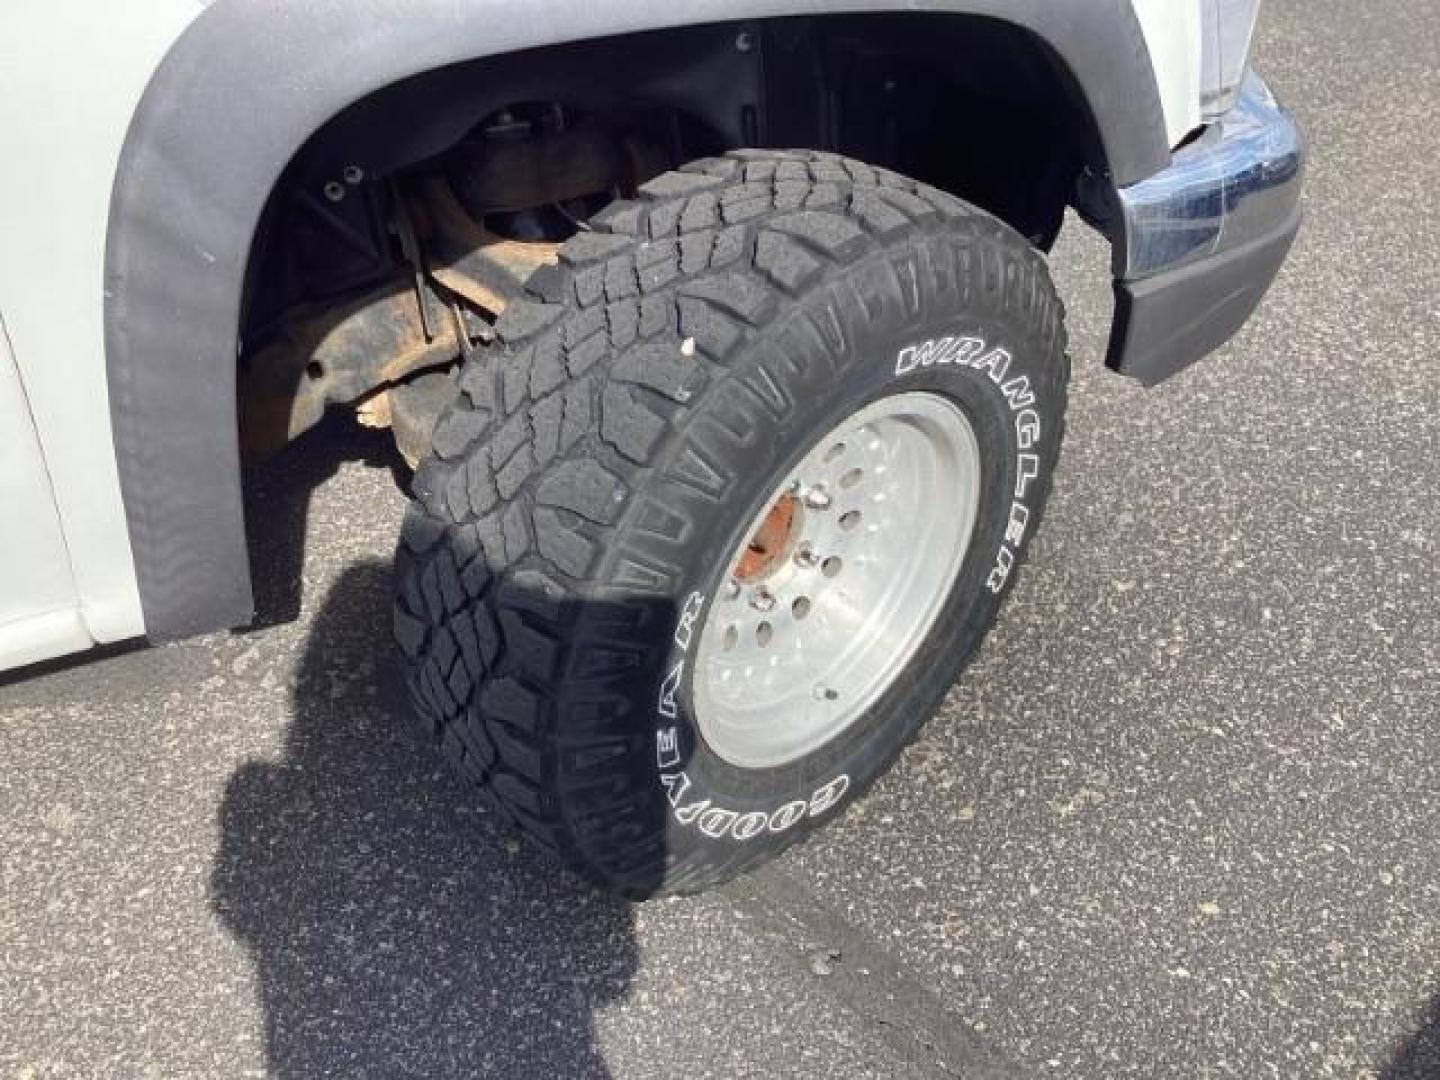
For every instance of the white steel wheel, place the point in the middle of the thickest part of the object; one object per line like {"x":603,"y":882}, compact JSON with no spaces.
{"x":839,"y":580}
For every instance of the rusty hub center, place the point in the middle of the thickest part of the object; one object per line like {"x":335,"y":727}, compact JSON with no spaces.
{"x":771,"y":540}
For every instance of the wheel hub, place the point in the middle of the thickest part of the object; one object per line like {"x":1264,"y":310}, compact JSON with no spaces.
{"x":771,"y":542}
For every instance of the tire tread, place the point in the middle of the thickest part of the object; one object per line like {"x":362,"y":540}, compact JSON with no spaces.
{"x":537,"y":459}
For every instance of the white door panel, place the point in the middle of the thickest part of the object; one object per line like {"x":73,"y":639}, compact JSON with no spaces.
{"x":71,"y":75}
{"x":39,"y":611}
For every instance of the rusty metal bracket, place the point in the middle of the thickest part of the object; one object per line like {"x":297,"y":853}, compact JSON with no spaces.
{"x":336,"y":355}
{"x":469,"y":260}
{"x":460,"y":278}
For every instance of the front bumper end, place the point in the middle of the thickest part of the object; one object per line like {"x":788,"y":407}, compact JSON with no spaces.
{"x":1200,"y":242}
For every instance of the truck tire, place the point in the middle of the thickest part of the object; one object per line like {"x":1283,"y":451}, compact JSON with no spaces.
{"x":697,"y":552}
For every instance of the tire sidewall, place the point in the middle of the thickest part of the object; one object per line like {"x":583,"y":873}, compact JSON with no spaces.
{"x":998,"y":371}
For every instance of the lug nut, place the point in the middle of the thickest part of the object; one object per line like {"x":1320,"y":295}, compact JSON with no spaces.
{"x":805,"y":557}
{"x":817,"y":498}
{"x":761,"y":600}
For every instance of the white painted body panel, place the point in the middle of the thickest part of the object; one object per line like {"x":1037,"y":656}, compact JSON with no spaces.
{"x":71,"y":75}
{"x":39,"y":611}
{"x":1172,"y":34}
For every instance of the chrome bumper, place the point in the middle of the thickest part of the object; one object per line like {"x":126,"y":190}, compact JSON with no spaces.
{"x":1201,"y":241}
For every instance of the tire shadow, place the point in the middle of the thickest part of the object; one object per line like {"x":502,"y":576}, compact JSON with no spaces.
{"x":396,"y":928}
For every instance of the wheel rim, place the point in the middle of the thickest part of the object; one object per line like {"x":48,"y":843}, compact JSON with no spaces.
{"x":838,"y":581}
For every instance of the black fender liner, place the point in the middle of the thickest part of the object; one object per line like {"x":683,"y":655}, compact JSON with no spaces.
{"x":243,"y":89}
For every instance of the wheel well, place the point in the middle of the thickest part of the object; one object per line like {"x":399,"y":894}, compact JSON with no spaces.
{"x":975,"y":106}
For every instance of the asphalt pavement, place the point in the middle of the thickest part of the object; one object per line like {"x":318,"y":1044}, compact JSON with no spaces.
{"x":1180,"y":818}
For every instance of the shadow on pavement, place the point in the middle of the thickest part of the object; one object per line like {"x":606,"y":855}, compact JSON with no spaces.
{"x":277,"y":508}
{"x":396,"y":928}
{"x":1419,"y":1057}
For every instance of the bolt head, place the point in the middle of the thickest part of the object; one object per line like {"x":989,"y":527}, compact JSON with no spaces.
{"x":761,"y":600}
{"x":817,"y":498}
{"x":806,"y":557}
